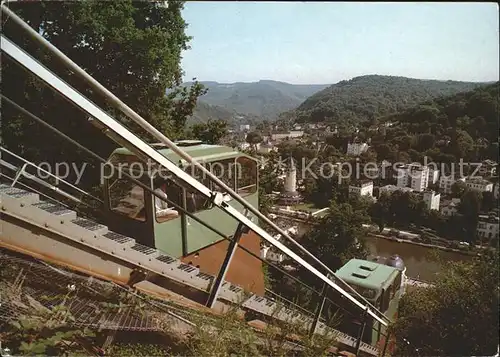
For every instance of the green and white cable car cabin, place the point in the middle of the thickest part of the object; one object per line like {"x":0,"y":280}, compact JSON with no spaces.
{"x":382,"y":285}
{"x":137,"y":213}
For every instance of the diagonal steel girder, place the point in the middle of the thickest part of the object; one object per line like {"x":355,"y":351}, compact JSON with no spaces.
{"x":139,"y":147}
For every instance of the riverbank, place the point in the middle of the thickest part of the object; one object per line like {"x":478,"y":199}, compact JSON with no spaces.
{"x":426,"y":245}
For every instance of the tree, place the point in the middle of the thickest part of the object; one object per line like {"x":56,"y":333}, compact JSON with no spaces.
{"x":470,"y":205}
{"x":253,"y":138}
{"x":132,"y":48}
{"x":380,"y":211}
{"x":338,"y":237}
{"x":458,"y":188}
{"x":210,"y":132}
{"x":425,"y":141}
{"x":385,"y":152}
{"x":404,"y":157}
{"x":463,"y":145}
{"x":404,"y":142}
{"x":458,"y":316}
{"x":488,"y":201}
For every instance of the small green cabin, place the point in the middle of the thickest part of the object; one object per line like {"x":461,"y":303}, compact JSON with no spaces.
{"x":135,"y":212}
{"x":380,"y":284}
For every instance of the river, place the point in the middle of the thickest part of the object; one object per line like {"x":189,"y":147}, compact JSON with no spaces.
{"x":418,"y":259}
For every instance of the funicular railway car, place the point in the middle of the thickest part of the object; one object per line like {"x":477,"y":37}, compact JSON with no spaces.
{"x":382,"y":284}
{"x":135,"y":212}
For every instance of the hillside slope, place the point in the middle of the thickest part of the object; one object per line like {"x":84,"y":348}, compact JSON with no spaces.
{"x":475,"y":112}
{"x":265,"y":98}
{"x":203,"y":112}
{"x":365,"y":97}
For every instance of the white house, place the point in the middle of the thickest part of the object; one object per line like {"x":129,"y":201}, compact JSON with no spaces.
{"x":488,"y":227}
{"x":244,"y":127}
{"x":292,"y":134}
{"x":384,"y":169}
{"x":445,"y":182}
{"x":488,"y":168}
{"x":266,"y":148}
{"x":414,"y":176}
{"x":362,"y":188}
{"x":356,"y":149}
{"x":244,"y":146}
{"x":432,"y":200}
{"x":433,"y":175}
{"x":271,"y":255}
{"x":479,"y":184}
{"x":450,"y":208}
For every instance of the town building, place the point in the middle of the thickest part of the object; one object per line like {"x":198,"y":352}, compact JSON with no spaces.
{"x":385,"y":170}
{"x":488,"y":168}
{"x":488,"y":227}
{"x":280,"y":136}
{"x":450,"y":208}
{"x":415,"y":176}
{"x":244,"y":146}
{"x":431,"y":199}
{"x":479,"y":184}
{"x":271,"y":254}
{"x":433,"y":175}
{"x":356,"y":149}
{"x":446,"y":181}
{"x":266,"y":148}
{"x":244,"y":127}
{"x":364,"y":188}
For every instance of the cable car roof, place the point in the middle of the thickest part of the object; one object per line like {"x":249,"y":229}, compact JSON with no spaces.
{"x":196,"y":149}
{"x":367,"y":274}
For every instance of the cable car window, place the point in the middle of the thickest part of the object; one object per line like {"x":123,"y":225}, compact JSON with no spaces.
{"x":167,"y":189}
{"x":127,"y":198}
{"x":246,"y":176}
{"x":196,"y":201}
{"x":224,"y":170}
{"x":386,"y":299}
{"x":396,"y":284}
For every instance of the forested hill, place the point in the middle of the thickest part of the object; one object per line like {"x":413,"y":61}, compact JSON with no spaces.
{"x":264,"y":99}
{"x":463,"y":125}
{"x":203,"y":112}
{"x":366,"y":97}
{"x":472,"y":114}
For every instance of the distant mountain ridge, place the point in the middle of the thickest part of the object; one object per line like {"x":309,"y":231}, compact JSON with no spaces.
{"x":265,"y":99}
{"x":203,"y":112}
{"x":372,"y":96}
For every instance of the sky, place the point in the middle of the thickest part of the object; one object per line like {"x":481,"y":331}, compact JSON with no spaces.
{"x":326,"y":42}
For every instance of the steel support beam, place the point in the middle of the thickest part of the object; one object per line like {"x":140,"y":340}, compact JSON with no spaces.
{"x":386,"y":342}
{"x":319,"y":310}
{"x":214,"y":291}
{"x":99,"y":88}
{"x":136,"y":145}
{"x":361,"y":332}
{"x":18,"y":174}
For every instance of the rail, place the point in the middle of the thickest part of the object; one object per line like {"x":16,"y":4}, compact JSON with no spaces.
{"x":22,"y":172}
{"x":102,"y":160}
{"x":137,"y":146}
{"x":277,"y":297}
